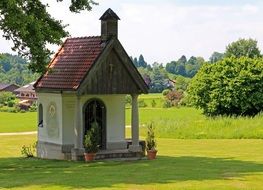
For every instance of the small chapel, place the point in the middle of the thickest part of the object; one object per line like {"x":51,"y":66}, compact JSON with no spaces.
{"x":87,"y":80}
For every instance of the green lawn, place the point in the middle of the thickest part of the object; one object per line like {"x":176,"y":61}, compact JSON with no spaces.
{"x":181,"y":123}
{"x":17,"y":122}
{"x":181,"y":164}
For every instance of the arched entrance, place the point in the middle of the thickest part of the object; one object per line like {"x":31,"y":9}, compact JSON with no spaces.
{"x":95,"y":111}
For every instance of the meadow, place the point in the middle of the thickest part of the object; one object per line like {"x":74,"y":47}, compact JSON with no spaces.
{"x":190,"y":123}
{"x":194,"y":152}
{"x":181,"y":164}
{"x":180,"y":123}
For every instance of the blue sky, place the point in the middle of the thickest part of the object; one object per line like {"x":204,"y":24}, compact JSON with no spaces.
{"x":163,"y":30}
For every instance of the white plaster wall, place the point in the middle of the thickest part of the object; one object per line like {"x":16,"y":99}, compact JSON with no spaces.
{"x":65,"y":109}
{"x":115,"y":115}
{"x":44,"y":135}
{"x":68,"y":107}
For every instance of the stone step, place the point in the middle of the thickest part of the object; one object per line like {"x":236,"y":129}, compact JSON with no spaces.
{"x":118,"y":154}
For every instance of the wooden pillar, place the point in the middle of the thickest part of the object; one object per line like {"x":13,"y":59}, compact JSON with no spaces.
{"x":135,"y":147}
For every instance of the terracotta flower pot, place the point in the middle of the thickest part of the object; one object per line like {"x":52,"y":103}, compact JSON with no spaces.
{"x":89,"y":156}
{"x":151,"y":154}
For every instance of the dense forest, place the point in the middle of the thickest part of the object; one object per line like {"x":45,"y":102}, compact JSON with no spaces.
{"x":160,"y":77}
{"x":14,"y":70}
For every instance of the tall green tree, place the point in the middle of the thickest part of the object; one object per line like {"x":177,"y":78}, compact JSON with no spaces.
{"x":31,"y":28}
{"x":182,"y":60}
{"x":141,"y":62}
{"x":232,"y":86}
{"x":159,"y":78}
{"x":243,"y":48}
{"x":216,"y":56}
{"x":135,"y":62}
{"x":184,"y":67}
{"x":170,"y":67}
{"x":17,"y":72}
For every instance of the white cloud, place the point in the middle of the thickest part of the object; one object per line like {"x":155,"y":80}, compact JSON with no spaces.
{"x":164,"y":30}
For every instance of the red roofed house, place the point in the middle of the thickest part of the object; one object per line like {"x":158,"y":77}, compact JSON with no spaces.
{"x":87,"y":81}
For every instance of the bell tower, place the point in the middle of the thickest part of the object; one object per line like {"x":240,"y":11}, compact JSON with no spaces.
{"x":109,"y":25}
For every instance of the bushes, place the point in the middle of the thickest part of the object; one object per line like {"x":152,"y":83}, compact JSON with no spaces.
{"x":8,"y":102}
{"x":6,"y":97}
{"x":173,"y":98}
{"x":11,"y":103}
{"x":165,"y":92}
{"x":9,"y":109}
{"x":233,"y":86}
{"x":33,"y":107}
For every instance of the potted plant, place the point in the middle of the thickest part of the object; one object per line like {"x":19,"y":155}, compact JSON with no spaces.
{"x":151,"y":142}
{"x":91,"y":142}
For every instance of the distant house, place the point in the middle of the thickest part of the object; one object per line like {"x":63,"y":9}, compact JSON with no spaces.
{"x":171,"y":83}
{"x":85,"y":85}
{"x":27,"y":95}
{"x":8,"y":87}
{"x":27,"y":92}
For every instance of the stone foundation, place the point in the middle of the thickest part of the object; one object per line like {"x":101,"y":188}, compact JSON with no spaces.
{"x":118,"y":150}
{"x":48,"y":150}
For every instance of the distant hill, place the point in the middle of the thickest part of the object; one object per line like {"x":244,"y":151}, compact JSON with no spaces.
{"x":14,"y":70}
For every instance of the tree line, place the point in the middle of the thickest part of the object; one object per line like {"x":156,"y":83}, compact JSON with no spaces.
{"x":14,"y":70}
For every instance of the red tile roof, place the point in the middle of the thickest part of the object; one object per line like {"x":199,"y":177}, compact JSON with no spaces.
{"x":71,"y":63}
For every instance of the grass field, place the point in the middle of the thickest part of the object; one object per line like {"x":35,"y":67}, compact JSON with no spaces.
{"x":181,"y":123}
{"x":181,"y":164}
{"x":148,"y":98}
{"x":189,"y":123}
{"x":17,"y":122}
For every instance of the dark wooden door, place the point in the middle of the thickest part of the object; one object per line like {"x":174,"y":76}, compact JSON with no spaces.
{"x":96,"y":112}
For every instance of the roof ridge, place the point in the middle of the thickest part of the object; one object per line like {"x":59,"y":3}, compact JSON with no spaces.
{"x":84,"y":37}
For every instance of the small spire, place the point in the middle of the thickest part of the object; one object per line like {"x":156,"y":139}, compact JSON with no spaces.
{"x":109,"y":25}
{"x":109,"y":14}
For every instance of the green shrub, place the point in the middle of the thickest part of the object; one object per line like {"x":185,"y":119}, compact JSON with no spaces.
{"x":5,"y":97}
{"x":33,"y":108}
{"x":233,"y":86}
{"x":174,"y":97}
{"x":165,"y":92}
{"x":10,"y":103}
{"x":28,"y":151}
{"x":91,"y":140}
{"x":150,"y":137}
{"x":8,"y":109}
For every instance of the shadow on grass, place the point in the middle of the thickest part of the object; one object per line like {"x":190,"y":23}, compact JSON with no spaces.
{"x":20,"y":172}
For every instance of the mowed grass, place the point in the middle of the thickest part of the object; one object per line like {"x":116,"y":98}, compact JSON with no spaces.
{"x":181,"y":164}
{"x":18,"y":122}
